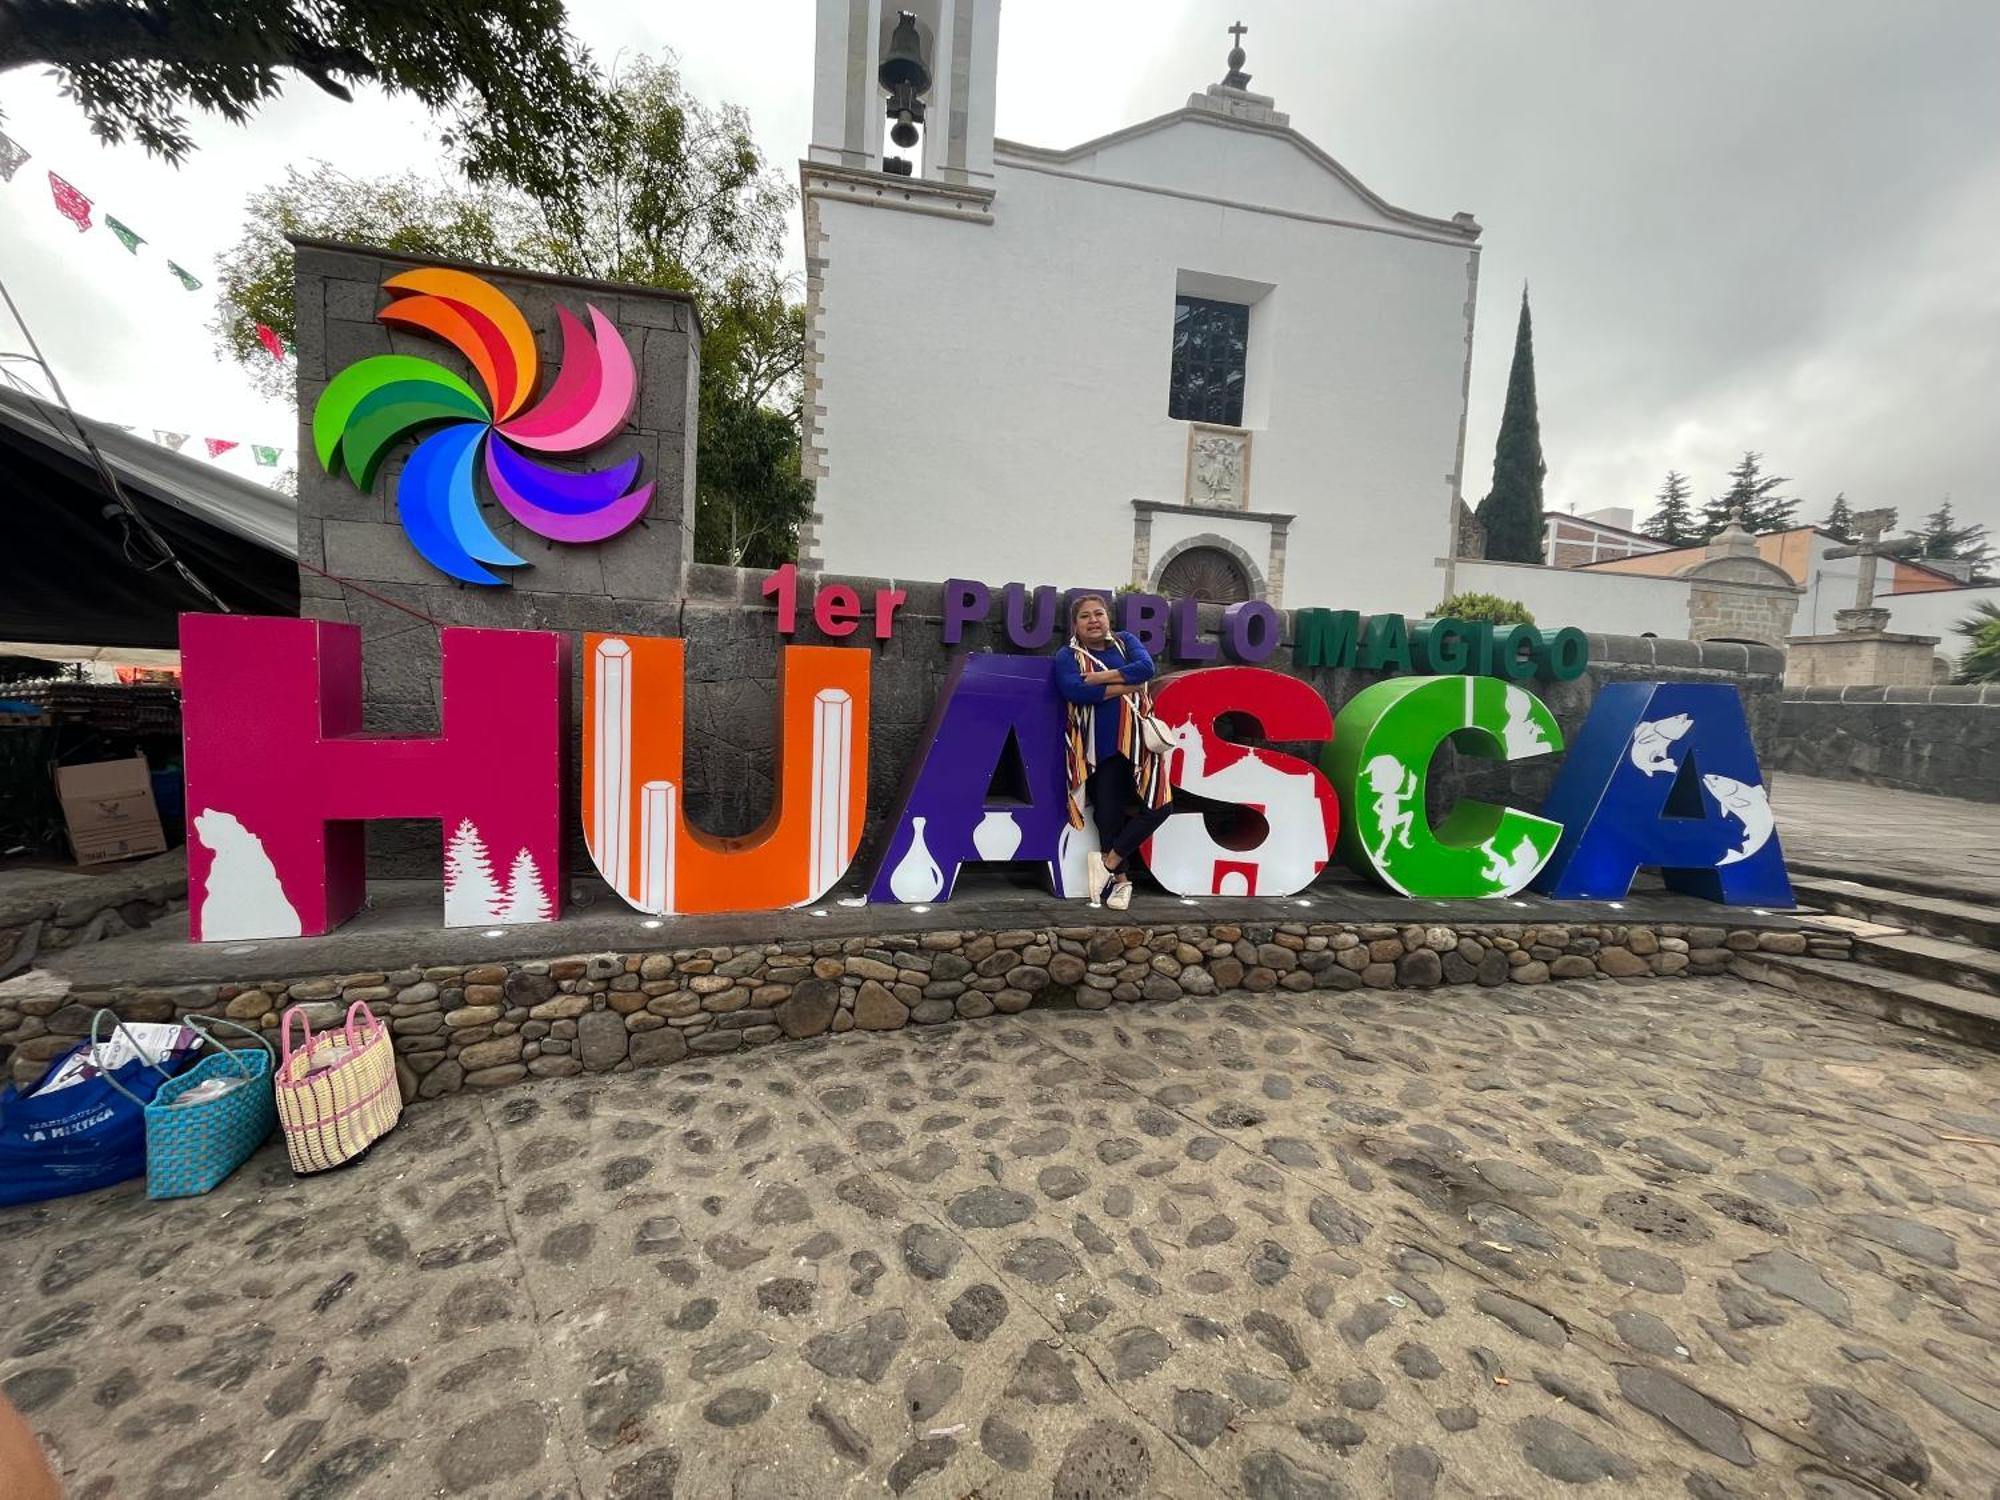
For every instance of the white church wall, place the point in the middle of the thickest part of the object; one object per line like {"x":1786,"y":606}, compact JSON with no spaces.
{"x":995,"y":395}
{"x":1606,"y":603}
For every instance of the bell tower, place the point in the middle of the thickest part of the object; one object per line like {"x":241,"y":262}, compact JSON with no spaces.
{"x":928,"y":63}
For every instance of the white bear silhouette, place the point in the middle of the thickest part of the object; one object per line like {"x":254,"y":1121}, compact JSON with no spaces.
{"x":242,"y":897}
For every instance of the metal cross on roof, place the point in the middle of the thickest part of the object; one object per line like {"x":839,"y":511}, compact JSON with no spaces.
{"x":1236,"y":78}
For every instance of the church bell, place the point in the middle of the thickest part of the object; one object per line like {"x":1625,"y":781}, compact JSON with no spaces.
{"x":907,"y":79}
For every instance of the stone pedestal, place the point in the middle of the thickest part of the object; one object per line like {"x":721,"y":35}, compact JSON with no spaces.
{"x":1861,"y":658}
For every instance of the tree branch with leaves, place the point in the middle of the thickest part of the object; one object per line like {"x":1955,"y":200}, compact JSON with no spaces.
{"x":673,"y":194}
{"x":519,"y":95}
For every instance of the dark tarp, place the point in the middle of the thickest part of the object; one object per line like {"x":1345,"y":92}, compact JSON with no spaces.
{"x":65,"y":576}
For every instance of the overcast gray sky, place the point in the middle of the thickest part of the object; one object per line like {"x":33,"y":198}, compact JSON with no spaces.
{"x":1767,"y":224}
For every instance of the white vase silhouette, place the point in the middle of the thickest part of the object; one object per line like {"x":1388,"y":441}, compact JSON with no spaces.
{"x":997,"y":836}
{"x":1073,"y":852}
{"x":917,"y":877}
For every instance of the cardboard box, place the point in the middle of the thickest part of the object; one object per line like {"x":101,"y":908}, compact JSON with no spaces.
{"x":110,"y":811}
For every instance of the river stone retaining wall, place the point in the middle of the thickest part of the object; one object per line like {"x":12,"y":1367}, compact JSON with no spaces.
{"x":492,"y":1024}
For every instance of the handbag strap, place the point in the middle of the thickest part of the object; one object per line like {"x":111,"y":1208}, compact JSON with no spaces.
{"x":198,"y":1025}
{"x":356,"y":1043}
{"x":285,"y":1038}
{"x":110,"y":1075}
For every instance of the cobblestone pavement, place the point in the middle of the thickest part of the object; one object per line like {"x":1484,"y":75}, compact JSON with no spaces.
{"x":1674,"y":1238}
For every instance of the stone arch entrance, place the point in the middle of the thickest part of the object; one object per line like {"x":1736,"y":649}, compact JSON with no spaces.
{"x":1209,"y":568}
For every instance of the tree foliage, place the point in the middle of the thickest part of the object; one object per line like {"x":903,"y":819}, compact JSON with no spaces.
{"x":673,"y":194}
{"x":519,"y":95}
{"x":1840,"y":519}
{"x":1755,"y":494}
{"x":1512,"y":509}
{"x":1980,"y":661}
{"x":1490,"y":608}
{"x":1947,"y":541}
{"x":1672,"y":521}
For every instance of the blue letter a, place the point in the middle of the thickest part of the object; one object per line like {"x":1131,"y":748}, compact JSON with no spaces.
{"x":1663,"y":773}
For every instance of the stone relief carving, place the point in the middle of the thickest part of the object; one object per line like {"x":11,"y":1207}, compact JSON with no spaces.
{"x":1218,"y":467}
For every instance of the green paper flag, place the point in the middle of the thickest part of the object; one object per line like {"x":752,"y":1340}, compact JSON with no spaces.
{"x":267,"y":458}
{"x":192,"y":283}
{"x":126,"y":237}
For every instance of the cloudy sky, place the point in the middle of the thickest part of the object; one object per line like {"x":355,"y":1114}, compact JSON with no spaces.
{"x":1765,"y":225}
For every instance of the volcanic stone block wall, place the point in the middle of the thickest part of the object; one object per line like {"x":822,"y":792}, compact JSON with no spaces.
{"x":486,"y":1025}
{"x":1943,"y":740}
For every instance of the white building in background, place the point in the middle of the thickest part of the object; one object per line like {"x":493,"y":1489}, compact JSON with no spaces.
{"x":1196,"y":355}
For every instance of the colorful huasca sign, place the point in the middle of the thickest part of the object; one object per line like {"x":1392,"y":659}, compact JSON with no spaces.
{"x":370,"y":405}
{"x":280,"y":780}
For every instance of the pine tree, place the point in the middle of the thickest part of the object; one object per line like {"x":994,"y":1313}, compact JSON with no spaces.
{"x":1839,"y":520}
{"x":1754,"y":493}
{"x":1947,"y":541}
{"x":1673,"y":523}
{"x":471,"y":894}
{"x":527,"y":901}
{"x":1512,"y":509}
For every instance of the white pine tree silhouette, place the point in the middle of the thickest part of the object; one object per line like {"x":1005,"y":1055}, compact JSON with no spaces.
{"x":471,"y":895}
{"x":527,"y":900}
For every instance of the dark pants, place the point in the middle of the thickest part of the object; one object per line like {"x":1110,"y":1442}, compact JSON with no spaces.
{"x":1123,"y":820}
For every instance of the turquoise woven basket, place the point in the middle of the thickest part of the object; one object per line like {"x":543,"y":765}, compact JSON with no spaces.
{"x":190,"y":1148}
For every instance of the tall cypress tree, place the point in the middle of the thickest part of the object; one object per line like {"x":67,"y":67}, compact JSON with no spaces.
{"x":1840,"y":520}
{"x":1673,"y":523}
{"x":1512,"y":509}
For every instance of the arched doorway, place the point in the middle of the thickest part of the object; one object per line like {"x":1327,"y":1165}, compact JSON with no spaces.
{"x":1208,"y":574}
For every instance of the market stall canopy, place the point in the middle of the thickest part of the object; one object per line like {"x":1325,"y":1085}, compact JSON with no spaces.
{"x":74,"y":573}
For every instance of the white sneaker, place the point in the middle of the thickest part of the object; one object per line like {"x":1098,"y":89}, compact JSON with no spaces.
{"x":1120,"y":897}
{"x":1094,"y":876}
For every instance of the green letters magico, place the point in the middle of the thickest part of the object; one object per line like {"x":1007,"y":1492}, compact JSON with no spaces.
{"x":1437,"y":648}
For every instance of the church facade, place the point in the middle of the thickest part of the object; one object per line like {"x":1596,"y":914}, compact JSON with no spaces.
{"x":1196,"y":356}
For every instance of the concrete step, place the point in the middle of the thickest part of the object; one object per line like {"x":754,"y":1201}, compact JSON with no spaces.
{"x":1952,"y":886}
{"x":1932,"y":916}
{"x":1920,"y":1004}
{"x":1958,"y":964}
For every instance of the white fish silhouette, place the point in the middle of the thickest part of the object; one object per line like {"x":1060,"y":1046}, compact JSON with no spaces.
{"x":1750,"y":806}
{"x":1651,"y":740}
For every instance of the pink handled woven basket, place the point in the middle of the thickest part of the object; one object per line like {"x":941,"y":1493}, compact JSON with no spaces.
{"x":337,"y":1095}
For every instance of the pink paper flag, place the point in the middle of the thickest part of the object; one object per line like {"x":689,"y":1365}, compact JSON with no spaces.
{"x":268,"y":337}
{"x":71,"y":204}
{"x":219,"y":446}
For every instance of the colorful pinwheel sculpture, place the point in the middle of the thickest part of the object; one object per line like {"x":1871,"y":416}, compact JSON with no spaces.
{"x":372,"y":404}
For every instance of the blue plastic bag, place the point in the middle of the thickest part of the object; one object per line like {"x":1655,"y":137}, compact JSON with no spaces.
{"x":86,"y":1134}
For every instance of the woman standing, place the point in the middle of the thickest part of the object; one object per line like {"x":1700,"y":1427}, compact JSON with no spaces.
{"x":1103,"y":674}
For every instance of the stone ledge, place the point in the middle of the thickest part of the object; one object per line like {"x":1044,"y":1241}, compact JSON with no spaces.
{"x":484,"y":1025}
